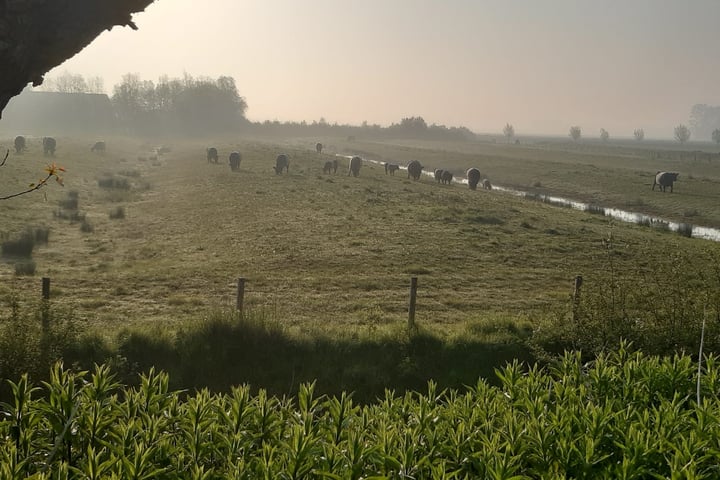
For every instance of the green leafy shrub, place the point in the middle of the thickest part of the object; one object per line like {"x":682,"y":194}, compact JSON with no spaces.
{"x":625,"y":415}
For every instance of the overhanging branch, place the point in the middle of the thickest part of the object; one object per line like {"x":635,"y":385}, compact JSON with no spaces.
{"x":39,"y":35}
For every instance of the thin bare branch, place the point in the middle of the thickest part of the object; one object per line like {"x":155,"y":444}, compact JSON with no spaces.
{"x":38,"y":186}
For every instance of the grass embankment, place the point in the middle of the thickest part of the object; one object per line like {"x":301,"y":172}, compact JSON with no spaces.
{"x":328,"y":261}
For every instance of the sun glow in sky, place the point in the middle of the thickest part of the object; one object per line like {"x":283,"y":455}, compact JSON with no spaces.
{"x":539,"y":65}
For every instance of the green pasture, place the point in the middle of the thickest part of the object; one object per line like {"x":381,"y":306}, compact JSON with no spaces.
{"x":334,"y":252}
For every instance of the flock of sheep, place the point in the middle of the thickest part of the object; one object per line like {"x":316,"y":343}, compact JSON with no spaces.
{"x":282,"y":162}
{"x":49,"y":145}
{"x":414,"y":167}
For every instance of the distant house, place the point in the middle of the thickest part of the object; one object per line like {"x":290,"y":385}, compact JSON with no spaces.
{"x":53,"y":113}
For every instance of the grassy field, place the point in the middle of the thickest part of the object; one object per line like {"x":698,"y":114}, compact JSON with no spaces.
{"x":332,"y":252}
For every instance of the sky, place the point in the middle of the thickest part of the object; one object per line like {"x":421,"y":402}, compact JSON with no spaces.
{"x":541,"y":66}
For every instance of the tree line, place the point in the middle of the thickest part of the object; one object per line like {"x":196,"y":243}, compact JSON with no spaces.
{"x":203,"y":105}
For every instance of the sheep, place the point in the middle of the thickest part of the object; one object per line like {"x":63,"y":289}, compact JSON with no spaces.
{"x":473,"y":176}
{"x":212,"y":155}
{"x":355,"y":164}
{"x":282,"y":162}
{"x":234,"y":160}
{"x":414,"y":169}
{"x":49,"y":145}
{"x":665,"y":179}
{"x":391,"y":168}
{"x":20,"y":144}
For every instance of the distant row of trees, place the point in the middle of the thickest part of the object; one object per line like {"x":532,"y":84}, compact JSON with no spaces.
{"x":681,"y":133}
{"x":409,"y":127}
{"x":67,"y":82}
{"x":205,"y":105}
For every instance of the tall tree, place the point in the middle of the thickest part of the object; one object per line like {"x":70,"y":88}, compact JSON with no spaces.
{"x":95,"y":84}
{"x":68,"y":82}
{"x":575,"y":132}
{"x":703,"y":119}
{"x":716,"y":136}
{"x":639,"y":134}
{"x":127,"y":96}
{"x":509,"y":132}
{"x":682,"y":133}
{"x":604,"y":135}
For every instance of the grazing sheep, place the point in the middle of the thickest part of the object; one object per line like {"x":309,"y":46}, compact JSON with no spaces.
{"x":439,"y":174}
{"x":319,"y":147}
{"x":49,"y":145}
{"x":235,"y":159}
{"x":355,"y":164}
{"x":473,"y":176}
{"x":99,"y":147}
{"x":665,"y":179}
{"x":20,"y":144}
{"x":414,"y":169}
{"x":486,"y":184}
{"x":212,"y":155}
{"x":447,"y":177}
{"x":327,"y":168}
{"x":391,"y":168}
{"x":282,"y":162}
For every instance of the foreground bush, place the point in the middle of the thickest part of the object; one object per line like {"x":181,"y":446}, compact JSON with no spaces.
{"x":626,"y":415}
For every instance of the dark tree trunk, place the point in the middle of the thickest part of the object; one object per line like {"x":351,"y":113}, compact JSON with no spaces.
{"x":38,"y":35}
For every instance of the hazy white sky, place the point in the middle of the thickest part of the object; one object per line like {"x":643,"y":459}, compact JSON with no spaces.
{"x":542,"y":65}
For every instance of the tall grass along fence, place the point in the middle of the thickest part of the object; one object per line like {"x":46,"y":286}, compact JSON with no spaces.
{"x":625,"y":415}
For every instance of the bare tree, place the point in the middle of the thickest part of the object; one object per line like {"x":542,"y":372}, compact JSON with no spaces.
{"x":575,"y":132}
{"x":682,"y":133}
{"x":639,"y":134}
{"x":68,"y":82}
{"x":95,"y":84}
{"x":604,"y":135}
{"x":509,"y":131}
{"x":716,"y":136}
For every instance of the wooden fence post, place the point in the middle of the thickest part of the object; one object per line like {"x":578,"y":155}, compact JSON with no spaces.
{"x":576,"y":296}
{"x":413,"y":296}
{"x":240,"y":294}
{"x":46,"y":288}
